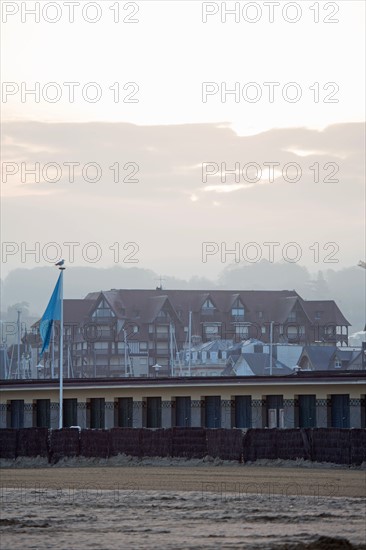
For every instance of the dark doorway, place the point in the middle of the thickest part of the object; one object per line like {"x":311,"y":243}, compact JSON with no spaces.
{"x":243,"y":411}
{"x":153,"y":412}
{"x":124,"y":412}
{"x":213,"y":411}
{"x":340,"y":411}
{"x":43,"y":413}
{"x":307,"y":411}
{"x":183,"y":412}
{"x":17,"y":413}
{"x":97,"y":412}
{"x":69,"y":412}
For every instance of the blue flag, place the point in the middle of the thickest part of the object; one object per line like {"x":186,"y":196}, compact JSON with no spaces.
{"x":52,"y":313}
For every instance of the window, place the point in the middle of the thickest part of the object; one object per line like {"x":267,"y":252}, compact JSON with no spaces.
{"x":292,"y":317}
{"x":318,"y":315}
{"x":103,"y":310}
{"x":241,"y":331}
{"x":162,"y":346}
{"x":337,"y":363}
{"x":105,"y":331}
{"x":292,"y":333}
{"x":211,"y":331}
{"x":143,"y":346}
{"x":68,"y":331}
{"x":237,"y":312}
{"x":163,"y":313}
{"x":330,"y":330}
{"x":162,"y":330}
{"x":237,"y":309}
{"x":260,"y":314}
{"x":207,"y":308}
{"x":133,"y":347}
{"x":101,"y":345}
{"x":263,"y":330}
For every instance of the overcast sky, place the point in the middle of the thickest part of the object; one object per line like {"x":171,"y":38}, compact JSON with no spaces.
{"x":176,"y":124}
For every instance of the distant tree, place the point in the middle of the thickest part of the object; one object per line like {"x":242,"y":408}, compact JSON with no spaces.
{"x":265,"y":275}
{"x":320,"y":288}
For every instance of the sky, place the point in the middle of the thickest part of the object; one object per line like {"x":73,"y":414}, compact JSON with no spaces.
{"x":188,"y":136}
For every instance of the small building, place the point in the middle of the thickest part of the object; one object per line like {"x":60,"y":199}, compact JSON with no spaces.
{"x":330,"y":358}
{"x":302,"y":399}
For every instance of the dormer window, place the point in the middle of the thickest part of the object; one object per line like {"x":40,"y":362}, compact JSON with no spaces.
{"x":103,"y":310}
{"x":318,"y":315}
{"x":292,"y":317}
{"x":337,"y":364}
{"x":163,"y":313}
{"x":208,"y":307}
{"x":237,"y":310}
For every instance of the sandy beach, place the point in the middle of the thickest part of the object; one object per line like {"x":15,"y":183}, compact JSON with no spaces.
{"x":149,"y":505}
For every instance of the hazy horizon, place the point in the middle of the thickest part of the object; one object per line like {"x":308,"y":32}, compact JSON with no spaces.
{"x":34,"y":286}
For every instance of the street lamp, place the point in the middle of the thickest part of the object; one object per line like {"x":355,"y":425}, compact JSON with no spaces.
{"x":156,"y":367}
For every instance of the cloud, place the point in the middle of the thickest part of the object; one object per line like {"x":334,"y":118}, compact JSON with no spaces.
{"x":179,"y":151}
{"x":171,"y":210}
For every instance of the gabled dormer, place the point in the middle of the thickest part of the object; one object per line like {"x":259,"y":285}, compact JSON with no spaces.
{"x":208,"y":307}
{"x":163,"y":314}
{"x":162,"y":311}
{"x":297,"y":314}
{"x":238,"y":310}
{"x":103,"y":310}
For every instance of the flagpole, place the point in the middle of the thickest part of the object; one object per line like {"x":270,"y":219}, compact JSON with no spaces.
{"x":61,"y":354}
